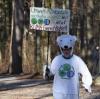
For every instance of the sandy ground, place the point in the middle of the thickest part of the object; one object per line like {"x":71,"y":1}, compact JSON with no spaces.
{"x":14,"y":88}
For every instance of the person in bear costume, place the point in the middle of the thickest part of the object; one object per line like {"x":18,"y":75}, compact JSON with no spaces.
{"x":67,"y":68}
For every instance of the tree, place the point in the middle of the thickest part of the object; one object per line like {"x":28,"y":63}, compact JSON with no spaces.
{"x":30,"y":52}
{"x":17,"y":35}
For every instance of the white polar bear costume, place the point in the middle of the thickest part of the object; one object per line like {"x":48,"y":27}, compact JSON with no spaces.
{"x":66,"y":71}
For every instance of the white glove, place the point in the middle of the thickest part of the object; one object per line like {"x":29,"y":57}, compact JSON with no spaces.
{"x":87,"y":88}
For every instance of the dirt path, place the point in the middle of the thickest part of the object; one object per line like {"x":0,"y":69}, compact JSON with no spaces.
{"x":35,"y":89}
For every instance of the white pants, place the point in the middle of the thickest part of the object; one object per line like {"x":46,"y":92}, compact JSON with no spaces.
{"x":65,"y":96}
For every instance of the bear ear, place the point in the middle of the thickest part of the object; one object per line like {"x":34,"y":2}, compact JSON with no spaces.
{"x":74,"y":38}
{"x":58,"y":40}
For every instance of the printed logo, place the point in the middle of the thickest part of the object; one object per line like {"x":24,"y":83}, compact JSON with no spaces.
{"x":40,"y":21}
{"x":66,"y":71}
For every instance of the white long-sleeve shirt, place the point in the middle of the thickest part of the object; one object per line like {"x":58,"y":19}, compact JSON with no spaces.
{"x":66,"y":74}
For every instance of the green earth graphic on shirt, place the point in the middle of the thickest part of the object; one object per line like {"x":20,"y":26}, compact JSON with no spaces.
{"x":66,"y":71}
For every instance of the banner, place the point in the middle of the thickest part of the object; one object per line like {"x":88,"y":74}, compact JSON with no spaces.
{"x":49,"y":19}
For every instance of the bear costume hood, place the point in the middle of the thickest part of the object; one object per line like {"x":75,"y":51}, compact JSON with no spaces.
{"x":66,"y":41}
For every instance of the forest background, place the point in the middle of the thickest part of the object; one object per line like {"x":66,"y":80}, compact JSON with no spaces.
{"x":24,"y":50}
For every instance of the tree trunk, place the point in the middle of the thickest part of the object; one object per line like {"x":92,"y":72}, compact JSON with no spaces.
{"x":18,"y":30}
{"x":73,"y":5}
